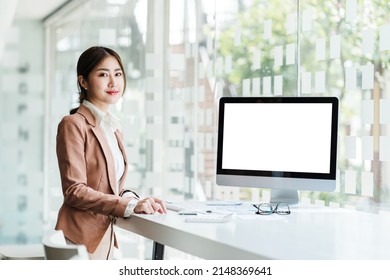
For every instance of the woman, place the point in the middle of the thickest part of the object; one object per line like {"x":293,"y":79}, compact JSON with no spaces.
{"x":92,"y":159}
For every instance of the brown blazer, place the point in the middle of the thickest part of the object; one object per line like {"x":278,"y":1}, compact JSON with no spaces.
{"x":87,"y":172}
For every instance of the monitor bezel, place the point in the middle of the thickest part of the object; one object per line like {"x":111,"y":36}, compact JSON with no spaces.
{"x":280,"y":173}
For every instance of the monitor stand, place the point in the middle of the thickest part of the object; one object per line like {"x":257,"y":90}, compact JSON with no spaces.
{"x":281,"y":195}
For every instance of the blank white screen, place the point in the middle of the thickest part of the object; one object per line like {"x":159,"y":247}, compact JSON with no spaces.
{"x":286,"y":137}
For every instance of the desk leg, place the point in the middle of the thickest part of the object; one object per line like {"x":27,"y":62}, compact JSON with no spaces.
{"x":158,"y":251}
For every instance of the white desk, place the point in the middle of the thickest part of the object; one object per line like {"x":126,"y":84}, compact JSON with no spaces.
{"x":309,"y":233}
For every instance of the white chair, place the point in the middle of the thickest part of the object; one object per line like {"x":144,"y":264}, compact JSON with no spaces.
{"x":22,"y":252}
{"x":56,"y":248}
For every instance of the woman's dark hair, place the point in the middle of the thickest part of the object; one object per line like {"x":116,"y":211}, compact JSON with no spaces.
{"x":88,"y":60}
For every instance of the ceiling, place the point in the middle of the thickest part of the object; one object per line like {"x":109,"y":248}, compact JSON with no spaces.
{"x":37,"y":9}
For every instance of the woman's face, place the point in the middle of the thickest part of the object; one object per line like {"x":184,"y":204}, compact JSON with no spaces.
{"x":105,"y":83}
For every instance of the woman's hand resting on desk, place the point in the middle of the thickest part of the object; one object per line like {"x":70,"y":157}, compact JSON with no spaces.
{"x":150,"y":205}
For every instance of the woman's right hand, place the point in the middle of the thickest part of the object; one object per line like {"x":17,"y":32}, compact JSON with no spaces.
{"x":150,"y":205}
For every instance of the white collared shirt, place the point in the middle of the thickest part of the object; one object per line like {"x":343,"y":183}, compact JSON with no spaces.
{"x":109,"y":124}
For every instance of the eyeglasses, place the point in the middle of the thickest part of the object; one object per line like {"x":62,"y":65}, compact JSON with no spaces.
{"x":267,"y":209}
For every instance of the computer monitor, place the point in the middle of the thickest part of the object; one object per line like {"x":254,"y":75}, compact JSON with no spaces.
{"x":285,"y":144}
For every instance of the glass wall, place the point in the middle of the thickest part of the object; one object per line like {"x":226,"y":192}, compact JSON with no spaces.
{"x":21,"y":132}
{"x":335,"y":48}
{"x":181,"y":56}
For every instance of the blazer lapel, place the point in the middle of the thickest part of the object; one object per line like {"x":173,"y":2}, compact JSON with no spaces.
{"x":103,"y":144}
{"x":108,"y":155}
{"x":118,"y":136}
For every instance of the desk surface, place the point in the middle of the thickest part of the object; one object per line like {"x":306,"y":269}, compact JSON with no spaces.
{"x":308,"y":233}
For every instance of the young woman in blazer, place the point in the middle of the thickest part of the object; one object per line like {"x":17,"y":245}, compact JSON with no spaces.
{"x":92,"y":159}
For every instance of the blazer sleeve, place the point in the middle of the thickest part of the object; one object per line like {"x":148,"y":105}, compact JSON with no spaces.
{"x":72,"y":157}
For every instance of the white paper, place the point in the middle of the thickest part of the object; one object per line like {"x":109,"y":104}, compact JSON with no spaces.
{"x":338,"y":172}
{"x":367,"y":183}
{"x":107,"y":37}
{"x":350,"y":10}
{"x":201,"y":71}
{"x":10,"y":59}
{"x":320,"y":82}
{"x":278,"y":56}
{"x":132,"y":154}
{"x":290,"y":54}
{"x":130,"y":107}
{"x":12,"y":35}
{"x":9,"y":82}
{"x":176,"y":154}
{"x":256,"y":60}
{"x":176,"y":131}
{"x":158,"y":155}
{"x":153,"y":108}
{"x":153,"y":61}
{"x":246,"y":87}
{"x":320,"y":49}
{"x":367,"y":111}
{"x":219,"y":66}
{"x":133,"y":179}
{"x":384,"y":111}
{"x":209,"y":117}
{"x":201,"y":137}
{"x":268,"y":29}
{"x":9,"y":131}
{"x":176,"y":108}
{"x":177,"y":61}
{"x":350,"y":78}
{"x":210,"y":44}
{"x":256,"y":86}
{"x":368,"y":148}
{"x":219,"y":89}
{"x":350,"y":147}
{"x":306,"y":82}
{"x":35,"y":83}
{"x":153,"y":179}
{"x":278,"y":85}
{"x":384,"y":148}
{"x":154,"y":131}
{"x":334,"y":46}
{"x":267,"y":85}
{"x":131,"y":130}
{"x":291,"y":23}
{"x":35,"y":106}
{"x":384,"y":37}
{"x":10,"y":152}
{"x":209,"y":141}
{"x":237,"y":37}
{"x":201,"y":94}
{"x":350,"y":181}
{"x":175,"y":180}
{"x":228,"y":64}
{"x":209,"y":70}
{"x":158,"y":28}
{"x":368,"y":76}
{"x":307,"y":18}
{"x":368,"y":38}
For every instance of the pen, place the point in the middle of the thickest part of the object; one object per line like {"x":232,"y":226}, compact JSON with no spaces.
{"x":187,"y":212}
